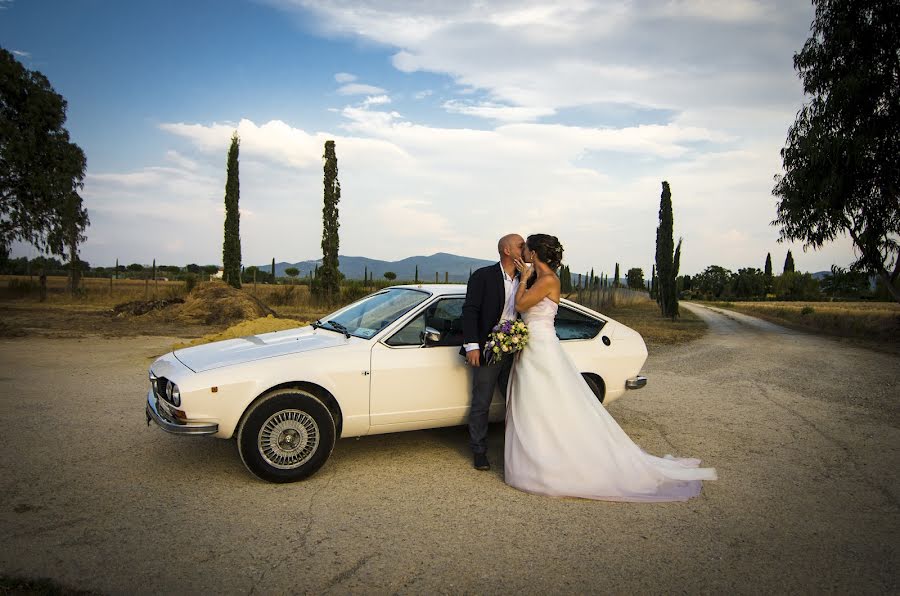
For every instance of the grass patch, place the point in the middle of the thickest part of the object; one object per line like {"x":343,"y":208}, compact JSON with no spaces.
{"x":642,"y":314}
{"x":876,"y":322}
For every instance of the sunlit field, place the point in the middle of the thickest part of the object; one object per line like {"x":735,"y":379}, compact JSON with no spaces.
{"x":875,"y":321}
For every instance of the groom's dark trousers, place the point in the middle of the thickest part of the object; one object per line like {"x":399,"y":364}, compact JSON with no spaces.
{"x":485,"y":297}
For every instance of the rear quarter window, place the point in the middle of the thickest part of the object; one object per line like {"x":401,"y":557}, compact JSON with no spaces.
{"x":571,"y":324}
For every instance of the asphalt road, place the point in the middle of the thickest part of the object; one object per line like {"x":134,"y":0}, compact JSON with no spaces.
{"x":803,"y":431}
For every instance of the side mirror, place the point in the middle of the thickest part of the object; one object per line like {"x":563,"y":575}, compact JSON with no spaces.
{"x":430,"y":336}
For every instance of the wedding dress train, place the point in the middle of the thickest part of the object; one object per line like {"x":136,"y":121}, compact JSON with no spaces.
{"x":560,"y":441}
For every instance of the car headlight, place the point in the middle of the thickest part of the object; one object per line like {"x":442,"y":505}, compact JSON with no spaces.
{"x":172,"y":393}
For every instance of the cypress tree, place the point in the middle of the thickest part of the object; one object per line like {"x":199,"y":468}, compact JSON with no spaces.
{"x":616,"y":277}
{"x":273,"y":269}
{"x":231,"y":247}
{"x":328,"y":275}
{"x":789,"y":263}
{"x":666,"y":262}
{"x":768,"y":272}
{"x":417,"y":273}
{"x":653,"y":282}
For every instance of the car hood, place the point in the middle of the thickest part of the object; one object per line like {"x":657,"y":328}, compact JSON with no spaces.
{"x":258,"y":347}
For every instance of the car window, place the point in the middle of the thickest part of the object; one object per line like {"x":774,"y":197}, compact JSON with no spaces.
{"x":571,"y":324}
{"x":445,"y":316}
{"x":373,"y":313}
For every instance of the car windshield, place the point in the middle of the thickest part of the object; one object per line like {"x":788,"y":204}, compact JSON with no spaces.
{"x":373,"y":313}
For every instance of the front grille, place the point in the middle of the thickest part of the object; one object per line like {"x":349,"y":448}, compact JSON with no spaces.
{"x":159,"y":388}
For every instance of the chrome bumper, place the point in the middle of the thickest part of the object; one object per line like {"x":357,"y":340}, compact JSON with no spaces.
{"x":172,"y":425}
{"x":635,"y":382}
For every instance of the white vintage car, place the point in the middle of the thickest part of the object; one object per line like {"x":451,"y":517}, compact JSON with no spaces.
{"x":387,"y":363}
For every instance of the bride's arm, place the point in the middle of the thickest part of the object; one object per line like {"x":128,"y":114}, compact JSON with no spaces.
{"x":526,"y":298}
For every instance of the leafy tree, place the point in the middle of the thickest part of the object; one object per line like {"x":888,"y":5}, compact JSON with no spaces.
{"x":842,"y":283}
{"x":193,"y":268}
{"x":841,"y":171}
{"x":635,"y":278}
{"x":231,"y":247}
{"x":390,"y":275}
{"x":713,"y":282}
{"x":666,"y":256}
{"x":210,"y":269}
{"x":328,"y":279}
{"x":292,"y":272}
{"x":788,"y":263}
{"x":135,"y":267}
{"x":748,"y":283}
{"x":41,"y":170}
{"x":797,"y":286}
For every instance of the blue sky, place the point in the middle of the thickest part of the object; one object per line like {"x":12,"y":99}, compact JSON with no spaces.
{"x":455,"y":123}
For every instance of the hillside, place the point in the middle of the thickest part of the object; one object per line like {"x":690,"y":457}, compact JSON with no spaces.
{"x":457,"y":267}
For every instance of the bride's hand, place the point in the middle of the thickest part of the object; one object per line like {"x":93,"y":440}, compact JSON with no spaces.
{"x":523,"y":268}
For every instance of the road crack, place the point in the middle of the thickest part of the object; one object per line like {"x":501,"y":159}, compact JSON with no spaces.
{"x":848,"y":452}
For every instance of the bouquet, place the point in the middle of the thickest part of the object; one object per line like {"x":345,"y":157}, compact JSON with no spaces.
{"x":506,"y":338}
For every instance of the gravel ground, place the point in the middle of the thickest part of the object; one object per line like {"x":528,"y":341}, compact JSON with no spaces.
{"x":803,"y":431}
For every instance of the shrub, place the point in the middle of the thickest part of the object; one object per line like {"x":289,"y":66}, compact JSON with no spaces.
{"x":807,"y":310}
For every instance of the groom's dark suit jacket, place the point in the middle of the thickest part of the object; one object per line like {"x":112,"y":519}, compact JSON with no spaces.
{"x":485,"y":296}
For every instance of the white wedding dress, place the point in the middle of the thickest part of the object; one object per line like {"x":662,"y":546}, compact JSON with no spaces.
{"x":560,"y":441}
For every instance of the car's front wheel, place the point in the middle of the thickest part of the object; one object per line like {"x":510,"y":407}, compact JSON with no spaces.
{"x":286,"y":436}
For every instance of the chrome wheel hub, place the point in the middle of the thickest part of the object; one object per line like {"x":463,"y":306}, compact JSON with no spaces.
{"x":288,"y":439}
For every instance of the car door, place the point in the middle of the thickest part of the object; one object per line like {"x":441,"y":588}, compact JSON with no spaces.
{"x":415,"y":385}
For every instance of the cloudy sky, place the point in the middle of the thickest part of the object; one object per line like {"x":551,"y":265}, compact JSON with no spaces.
{"x":454,"y":122}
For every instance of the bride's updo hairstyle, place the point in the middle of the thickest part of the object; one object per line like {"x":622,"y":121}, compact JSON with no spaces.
{"x":548,"y":249}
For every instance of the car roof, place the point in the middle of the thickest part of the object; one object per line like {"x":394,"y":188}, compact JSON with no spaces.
{"x":436,"y":289}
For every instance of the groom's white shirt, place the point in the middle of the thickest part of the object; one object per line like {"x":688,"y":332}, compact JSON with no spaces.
{"x":510,"y":285}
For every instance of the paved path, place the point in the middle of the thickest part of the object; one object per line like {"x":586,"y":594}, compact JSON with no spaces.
{"x":803,"y":431}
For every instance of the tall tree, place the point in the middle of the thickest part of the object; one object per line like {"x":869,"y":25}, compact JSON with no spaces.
{"x":231,"y":247}
{"x":273,"y":269}
{"x":41,"y":170}
{"x":616,"y":277}
{"x":788,"y":263}
{"x":328,"y":284}
{"x":841,"y":172}
{"x":666,"y":256}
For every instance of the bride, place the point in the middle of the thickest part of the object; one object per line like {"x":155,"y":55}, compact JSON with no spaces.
{"x":560,"y":441}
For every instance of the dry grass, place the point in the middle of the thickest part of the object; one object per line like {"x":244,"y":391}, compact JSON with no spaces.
{"x":258,"y":326}
{"x":94,"y":290}
{"x":877,"y":322}
{"x":639,"y":312}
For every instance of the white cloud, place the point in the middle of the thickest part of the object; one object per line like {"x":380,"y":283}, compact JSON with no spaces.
{"x":20,"y":53}
{"x":423,"y":94}
{"x":359,"y":89}
{"x":375,"y":100}
{"x":344,"y":77}
{"x":495,"y":111}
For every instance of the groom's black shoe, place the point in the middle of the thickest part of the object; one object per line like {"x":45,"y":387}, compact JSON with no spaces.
{"x":481,"y":462}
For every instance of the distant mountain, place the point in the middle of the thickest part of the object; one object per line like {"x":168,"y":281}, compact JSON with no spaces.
{"x":454,"y":266}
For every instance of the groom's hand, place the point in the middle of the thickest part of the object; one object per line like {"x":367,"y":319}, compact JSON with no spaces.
{"x":473,"y":357}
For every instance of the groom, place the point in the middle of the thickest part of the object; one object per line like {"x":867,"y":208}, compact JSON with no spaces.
{"x":490,"y":298}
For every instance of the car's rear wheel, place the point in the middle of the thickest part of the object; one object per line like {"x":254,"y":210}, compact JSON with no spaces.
{"x":596,"y":385}
{"x":286,"y":436}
